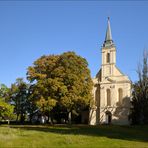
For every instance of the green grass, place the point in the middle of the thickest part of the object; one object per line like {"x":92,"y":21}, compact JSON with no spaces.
{"x":74,"y":136}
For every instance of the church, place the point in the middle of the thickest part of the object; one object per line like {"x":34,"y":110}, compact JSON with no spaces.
{"x":111,"y":90}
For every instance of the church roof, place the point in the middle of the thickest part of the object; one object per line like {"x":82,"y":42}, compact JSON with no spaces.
{"x":108,"y":38}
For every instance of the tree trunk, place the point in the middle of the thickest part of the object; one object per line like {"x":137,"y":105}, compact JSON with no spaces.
{"x":69,"y":117}
{"x":17,"y":116}
{"x":22,"y":119}
{"x":48,"y":118}
{"x":30,"y":118}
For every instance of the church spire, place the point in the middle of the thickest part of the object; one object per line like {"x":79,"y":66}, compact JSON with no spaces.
{"x":108,"y":38}
{"x":108,"y":32}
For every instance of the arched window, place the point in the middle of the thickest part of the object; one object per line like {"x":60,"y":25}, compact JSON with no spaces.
{"x":108,"y":58}
{"x":108,"y":97}
{"x":120,"y":95}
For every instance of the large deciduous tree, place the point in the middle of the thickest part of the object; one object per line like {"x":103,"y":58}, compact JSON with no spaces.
{"x":139,"y":110}
{"x":62,"y":80}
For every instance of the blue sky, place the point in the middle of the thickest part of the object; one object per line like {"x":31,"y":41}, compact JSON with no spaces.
{"x":30,"y":29}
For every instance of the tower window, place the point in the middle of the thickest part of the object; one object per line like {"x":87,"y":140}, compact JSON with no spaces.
{"x":120,"y":95}
{"x":108,"y":97}
{"x":108,"y":58}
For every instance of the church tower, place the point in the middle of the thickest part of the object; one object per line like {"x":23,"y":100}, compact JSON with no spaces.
{"x":111,"y":89}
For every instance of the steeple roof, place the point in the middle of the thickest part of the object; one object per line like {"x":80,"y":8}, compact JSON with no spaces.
{"x":108,"y":38}
{"x":108,"y":31}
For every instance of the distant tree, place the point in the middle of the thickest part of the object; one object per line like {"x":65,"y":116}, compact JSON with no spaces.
{"x":6,"y":109}
{"x":18,"y":96}
{"x":62,"y":80}
{"x":4,"y":91}
{"x":139,"y":110}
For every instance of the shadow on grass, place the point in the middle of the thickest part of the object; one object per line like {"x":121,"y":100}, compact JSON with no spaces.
{"x":131,"y":133}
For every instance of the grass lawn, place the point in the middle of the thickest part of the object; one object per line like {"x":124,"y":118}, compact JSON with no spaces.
{"x":73,"y":136}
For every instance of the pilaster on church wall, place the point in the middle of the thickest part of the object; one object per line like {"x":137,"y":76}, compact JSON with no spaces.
{"x":113,"y":95}
{"x":94,"y":91}
{"x":102,"y":96}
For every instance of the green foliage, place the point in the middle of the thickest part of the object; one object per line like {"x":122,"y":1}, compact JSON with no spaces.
{"x":62,"y":80}
{"x":6,"y":110}
{"x":139,"y":110}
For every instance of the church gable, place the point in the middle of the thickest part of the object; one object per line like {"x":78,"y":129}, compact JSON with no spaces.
{"x":118,"y":72}
{"x":98,"y":75}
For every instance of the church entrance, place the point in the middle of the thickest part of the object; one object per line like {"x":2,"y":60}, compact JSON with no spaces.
{"x":108,"y":117}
